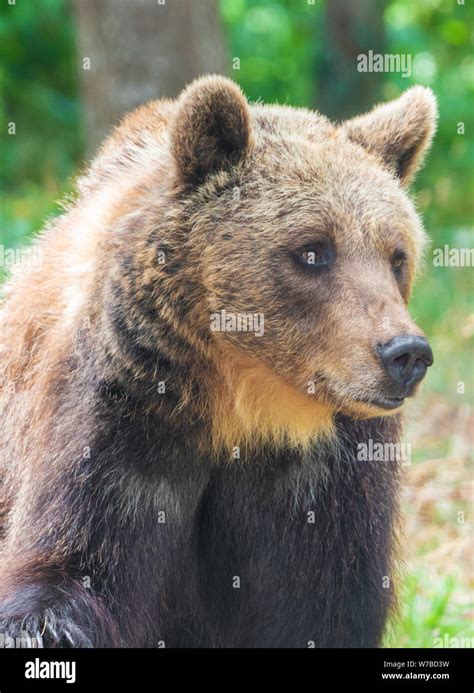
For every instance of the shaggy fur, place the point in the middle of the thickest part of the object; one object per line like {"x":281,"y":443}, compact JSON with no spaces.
{"x":161,"y":482}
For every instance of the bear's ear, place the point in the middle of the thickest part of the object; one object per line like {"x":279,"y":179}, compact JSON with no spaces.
{"x":211,"y":131}
{"x":398,"y":132}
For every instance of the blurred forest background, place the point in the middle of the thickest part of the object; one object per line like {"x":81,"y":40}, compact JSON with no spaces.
{"x":302,"y":54}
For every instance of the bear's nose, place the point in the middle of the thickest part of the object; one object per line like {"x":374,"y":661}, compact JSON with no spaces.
{"x":405,"y":359}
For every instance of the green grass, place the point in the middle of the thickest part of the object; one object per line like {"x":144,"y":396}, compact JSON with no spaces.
{"x":433,"y":607}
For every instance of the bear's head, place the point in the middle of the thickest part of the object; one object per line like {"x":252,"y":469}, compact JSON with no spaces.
{"x":308,"y":246}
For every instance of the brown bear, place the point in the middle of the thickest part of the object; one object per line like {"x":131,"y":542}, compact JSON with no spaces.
{"x":218,"y":324}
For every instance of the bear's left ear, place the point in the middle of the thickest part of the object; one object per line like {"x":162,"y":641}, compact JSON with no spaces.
{"x":398,"y":132}
{"x":211,"y":130}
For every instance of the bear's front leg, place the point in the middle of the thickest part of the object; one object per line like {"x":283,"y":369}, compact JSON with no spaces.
{"x":120,"y":571}
{"x":46,"y":608}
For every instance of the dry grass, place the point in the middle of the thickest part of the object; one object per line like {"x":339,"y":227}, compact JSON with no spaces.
{"x":437,"y":507}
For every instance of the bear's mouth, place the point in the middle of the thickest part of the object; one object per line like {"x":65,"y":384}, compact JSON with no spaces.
{"x":385,"y":402}
{"x":377,"y":400}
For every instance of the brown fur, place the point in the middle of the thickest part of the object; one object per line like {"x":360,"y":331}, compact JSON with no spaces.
{"x":228,"y":192}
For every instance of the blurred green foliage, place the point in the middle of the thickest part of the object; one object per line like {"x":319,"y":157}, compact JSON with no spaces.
{"x":39,"y":94}
{"x":278,"y":44}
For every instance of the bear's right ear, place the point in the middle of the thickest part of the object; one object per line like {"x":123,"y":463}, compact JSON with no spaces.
{"x":211,"y":131}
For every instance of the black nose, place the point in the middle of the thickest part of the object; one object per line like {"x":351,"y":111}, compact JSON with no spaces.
{"x":405,"y":359}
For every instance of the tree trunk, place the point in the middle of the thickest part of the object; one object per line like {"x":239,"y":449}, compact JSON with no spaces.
{"x":350,"y":28}
{"x":141,"y":50}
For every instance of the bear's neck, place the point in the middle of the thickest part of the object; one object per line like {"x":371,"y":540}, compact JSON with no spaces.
{"x":227,"y":404}
{"x":252,"y":406}
{"x":222,"y":400}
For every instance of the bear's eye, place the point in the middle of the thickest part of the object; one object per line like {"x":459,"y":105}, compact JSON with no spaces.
{"x":398,"y":262}
{"x":314,"y":256}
